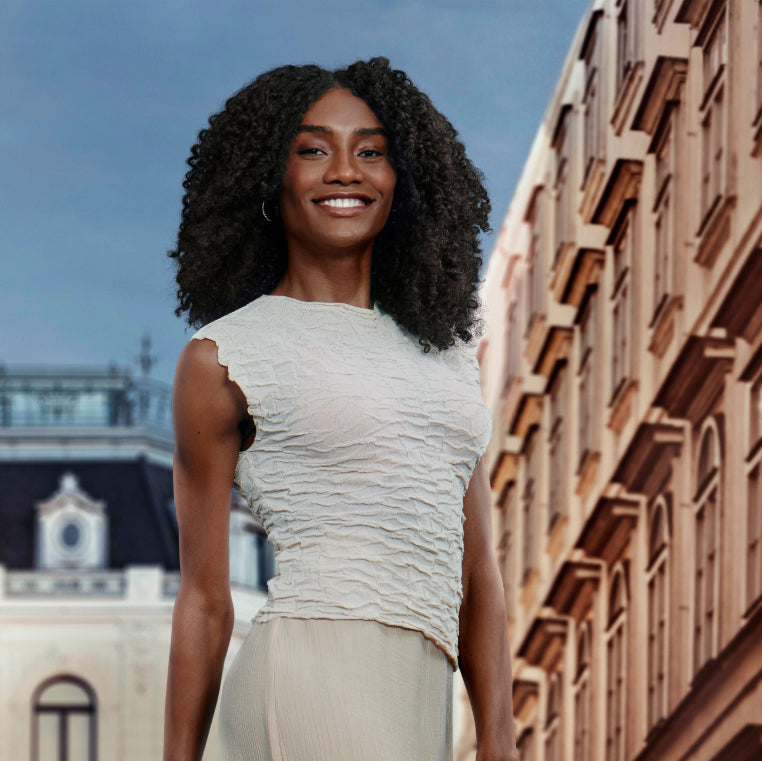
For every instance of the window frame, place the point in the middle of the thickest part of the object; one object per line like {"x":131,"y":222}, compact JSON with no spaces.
{"x":657,"y":591}
{"x":586,"y":375}
{"x":753,"y":592}
{"x":627,"y":31}
{"x":616,"y":668}
{"x":536,"y":297}
{"x":563,"y":229}
{"x":594,"y":130}
{"x":582,"y":694}
{"x":707,"y":509}
{"x":665,"y":163}
{"x":553,"y":718}
{"x":624,"y":250}
{"x":713,"y":116}
{"x":63,"y":712}
{"x":505,"y":548}
{"x":513,"y":338}
{"x":529,"y":504}
{"x":558,"y":446}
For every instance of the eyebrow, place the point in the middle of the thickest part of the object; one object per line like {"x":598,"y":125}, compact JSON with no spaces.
{"x":363,"y":131}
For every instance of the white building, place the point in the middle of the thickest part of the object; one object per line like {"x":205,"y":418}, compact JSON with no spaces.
{"x":89,"y":565}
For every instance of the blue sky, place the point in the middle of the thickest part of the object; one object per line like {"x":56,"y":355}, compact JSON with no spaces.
{"x":102,"y":99}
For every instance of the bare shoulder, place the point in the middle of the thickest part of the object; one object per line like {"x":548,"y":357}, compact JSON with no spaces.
{"x":202,"y":390}
{"x":199,"y":359}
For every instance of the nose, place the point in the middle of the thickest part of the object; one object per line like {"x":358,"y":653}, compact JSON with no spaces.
{"x":343,"y":167}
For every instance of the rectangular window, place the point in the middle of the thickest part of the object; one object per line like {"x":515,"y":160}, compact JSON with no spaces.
{"x":535,"y":265}
{"x":557,"y":447}
{"x":587,"y":407}
{"x":513,"y":370}
{"x":563,"y":220}
{"x":663,"y":259}
{"x":755,"y":427}
{"x":626,"y":27}
{"x":582,"y":720}
{"x":624,"y":248}
{"x":715,"y":53}
{"x":619,"y":356}
{"x":664,"y":256}
{"x":713,"y":117}
{"x":754,"y":524}
{"x":705,"y":583}
{"x":615,"y":673}
{"x":591,"y":104}
{"x":754,"y":496}
{"x":505,"y":549}
{"x":713,"y":138}
{"x":657,"y":624}
{"x":529,"y":505}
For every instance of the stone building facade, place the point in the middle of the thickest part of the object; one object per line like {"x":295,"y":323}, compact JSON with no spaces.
{"x":89,"y":565}
{"x":622,"y":361}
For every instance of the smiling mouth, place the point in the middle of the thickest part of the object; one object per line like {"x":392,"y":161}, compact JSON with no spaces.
{"x":352,"y":202}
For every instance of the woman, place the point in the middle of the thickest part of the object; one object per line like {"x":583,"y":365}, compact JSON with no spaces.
{"x":329,"y":245}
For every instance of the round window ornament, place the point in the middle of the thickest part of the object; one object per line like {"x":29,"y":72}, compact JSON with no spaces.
{"x":71,"y":535}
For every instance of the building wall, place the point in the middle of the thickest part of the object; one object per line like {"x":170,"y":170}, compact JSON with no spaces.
{"x":114,"y":642}
{"x":622,"y":361}
{"x":89,"y":568}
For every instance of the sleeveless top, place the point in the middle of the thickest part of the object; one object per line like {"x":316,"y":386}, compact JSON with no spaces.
{"x":364,"y":448}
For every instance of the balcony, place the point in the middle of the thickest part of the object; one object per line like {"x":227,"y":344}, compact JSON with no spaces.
{"x":71,"y":397}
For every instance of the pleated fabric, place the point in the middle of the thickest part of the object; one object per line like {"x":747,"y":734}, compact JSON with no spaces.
{"x":344,"y":690}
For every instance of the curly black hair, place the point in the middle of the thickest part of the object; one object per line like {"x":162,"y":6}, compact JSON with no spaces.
{"x":425,"y":264}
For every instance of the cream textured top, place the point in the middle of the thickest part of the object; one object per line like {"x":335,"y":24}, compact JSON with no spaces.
{"x":364,"y":448}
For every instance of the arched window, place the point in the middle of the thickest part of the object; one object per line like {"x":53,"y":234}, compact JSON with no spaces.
{"x":582,"y":695}
{"x":658,"y":551}
{"x":64,"y":720}
{"x":707,"y":546}
{"x":553,"y":719}
{"x":616,"y":662}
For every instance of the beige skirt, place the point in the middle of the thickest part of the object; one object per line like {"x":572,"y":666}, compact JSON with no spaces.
{"x":325,"y":690}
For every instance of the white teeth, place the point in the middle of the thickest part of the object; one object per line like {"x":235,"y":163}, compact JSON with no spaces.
{"x":342,"y":203}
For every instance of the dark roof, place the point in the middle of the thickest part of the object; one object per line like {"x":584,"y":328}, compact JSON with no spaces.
{"x":141,"y":525}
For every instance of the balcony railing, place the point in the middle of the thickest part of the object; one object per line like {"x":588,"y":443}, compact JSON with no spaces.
{"x":86,"y":398}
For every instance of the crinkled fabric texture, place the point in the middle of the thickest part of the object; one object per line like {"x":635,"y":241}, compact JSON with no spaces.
{"x":363,"y":451}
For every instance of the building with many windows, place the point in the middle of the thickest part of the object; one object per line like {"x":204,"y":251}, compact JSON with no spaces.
{"x":89,"y":564}
{"x":622,"y":361}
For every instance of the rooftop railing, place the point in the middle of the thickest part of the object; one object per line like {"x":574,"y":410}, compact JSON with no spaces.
{"x":108,"y":397}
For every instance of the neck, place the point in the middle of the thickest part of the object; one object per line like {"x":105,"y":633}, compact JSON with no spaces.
{"x":344,"y":278}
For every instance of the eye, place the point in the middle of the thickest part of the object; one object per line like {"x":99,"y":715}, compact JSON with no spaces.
{"x":370,"y":153}
{"x":310,"y":152}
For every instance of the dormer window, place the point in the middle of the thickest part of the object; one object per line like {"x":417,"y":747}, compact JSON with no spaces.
{"x":71,"y":529}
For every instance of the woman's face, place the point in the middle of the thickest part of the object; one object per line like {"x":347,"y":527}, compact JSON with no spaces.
{"x":339,"y":181}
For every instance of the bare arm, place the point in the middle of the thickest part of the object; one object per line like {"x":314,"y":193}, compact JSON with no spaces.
{"x":485,"y":656}
{"x":206,"y":408}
